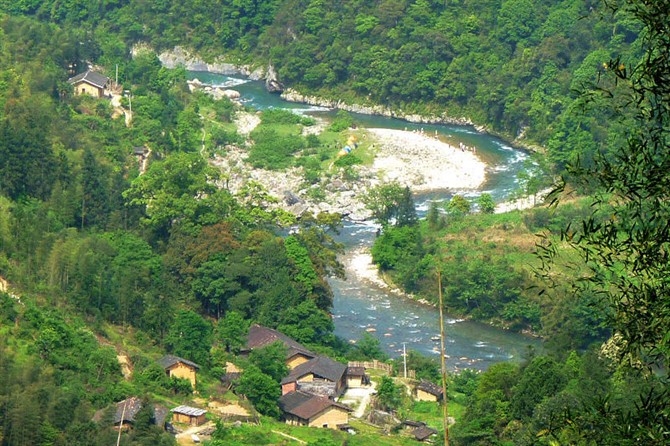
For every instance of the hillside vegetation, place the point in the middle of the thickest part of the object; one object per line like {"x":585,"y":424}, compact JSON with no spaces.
{"x":102,"y":261}
{"x":514,"y":66}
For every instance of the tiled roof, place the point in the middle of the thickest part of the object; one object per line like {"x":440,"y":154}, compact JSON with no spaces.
{"x":188,"y":410}
{"x":431,"y":388}
{"x":423,"y":432}
{"x":90,"y":77}
{"x":321,"y":366}
{"x":170,"y":360}
{"x":355,"y":371}
{"x":132,"y":406}
{"x":305,"y":405}
{"x":260,"y":336}
{"x":413,"y":423}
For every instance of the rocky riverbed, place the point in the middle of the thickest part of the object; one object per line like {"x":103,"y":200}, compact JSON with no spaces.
{"x":414,"y":159}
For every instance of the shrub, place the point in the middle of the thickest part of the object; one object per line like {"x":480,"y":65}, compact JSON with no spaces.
{"x":272,"y":151}
{"x":342,"y":121}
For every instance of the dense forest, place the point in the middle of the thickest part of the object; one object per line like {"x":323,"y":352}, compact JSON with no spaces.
{"x":102,"y":260}
{"x":88,"y":260}
{"x":514,"y":66}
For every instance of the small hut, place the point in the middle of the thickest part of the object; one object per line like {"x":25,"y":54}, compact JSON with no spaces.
{"x":189,"y":415}
{"x":427,"y":391}
{"x":180,"y":368}
{"x":356,"y":377}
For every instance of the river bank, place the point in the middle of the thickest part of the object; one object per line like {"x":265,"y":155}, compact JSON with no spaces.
{"x":424,"y":162}
{"x":191,"y":61}
{"x":413,"y":159}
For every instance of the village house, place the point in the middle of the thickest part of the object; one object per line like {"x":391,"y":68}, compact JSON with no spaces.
{"x":320,"y":375}
{"x":304,"y":409}
{"x":427,"y":391}
{"x":177,"y":367}
{"x":90,"y":83}
{"x":356,"y":377}
{"x":125,"y":412}
{"x":189,"y":415}
{"x":260,"y":336}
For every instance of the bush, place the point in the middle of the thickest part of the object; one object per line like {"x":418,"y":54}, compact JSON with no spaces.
{"x":281,"y":116}
{"x":221,"y":137}
{"x":348,"y":160}
{"x":313,"y":141}
{"x":180,"y":386}
{"x":272,"y":151}
{"x":342,"y":121}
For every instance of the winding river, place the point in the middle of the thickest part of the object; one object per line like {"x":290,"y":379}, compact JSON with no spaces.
{"x":361,"y":306}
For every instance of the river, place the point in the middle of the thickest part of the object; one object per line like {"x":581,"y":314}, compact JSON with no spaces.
{"x":360,"y":306}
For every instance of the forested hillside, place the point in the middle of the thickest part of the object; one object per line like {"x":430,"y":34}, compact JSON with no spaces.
{"x":102,"y":262}
{"x":514,"y":66}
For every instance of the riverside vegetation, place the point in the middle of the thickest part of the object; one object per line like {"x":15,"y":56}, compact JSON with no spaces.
{"x":102,"y":261}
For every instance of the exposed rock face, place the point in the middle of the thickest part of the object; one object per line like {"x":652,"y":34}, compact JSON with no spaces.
{"x":182,"y":57}
{"x":272,"y":83}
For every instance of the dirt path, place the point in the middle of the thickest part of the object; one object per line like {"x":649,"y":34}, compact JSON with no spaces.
{"x":360,"y":398}
{"x":186,"y":438}
{"x":289,"y":437}
{"x":118,"y":110}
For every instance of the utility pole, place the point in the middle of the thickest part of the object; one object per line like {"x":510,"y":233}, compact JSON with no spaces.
{"x":123,"y":415}
{"x":404,"y":358}
{"x":443,"y":362}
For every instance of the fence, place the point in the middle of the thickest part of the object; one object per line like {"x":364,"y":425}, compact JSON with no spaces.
{"x":377,"y":365}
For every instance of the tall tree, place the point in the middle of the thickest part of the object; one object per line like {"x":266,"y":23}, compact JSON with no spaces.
{"x":624,"y":242}
{"x":190,"y":336}
{"x":94,"y":193}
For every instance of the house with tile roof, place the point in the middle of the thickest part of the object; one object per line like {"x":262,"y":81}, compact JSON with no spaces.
{"x":427,"y":391}
{"x":90,"y":82}
{"x":124,"y":413}
{"x":177,"y":367}
{"x":356,"y":377}
{"x":305,"y":409}
{"x":320,"y":375}
{"x":260,"y":336}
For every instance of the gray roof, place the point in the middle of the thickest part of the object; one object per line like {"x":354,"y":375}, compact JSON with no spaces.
{"x":188,"y":410}
{"x":431,"y":388}
{"x":355,"y":371}
{"x":90,"y":77}
{"x":424,"y":432}
{"x":260,"y":336}
{"x":168,"y":361}
{"x":321,"y":367}
{"x":132,"y":406}
{"x":305,"y":405}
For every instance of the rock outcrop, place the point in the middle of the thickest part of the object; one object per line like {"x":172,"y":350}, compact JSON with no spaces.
{"x":215,"y":91}
{"x":272,"y":83}
{"x":181,"y":57}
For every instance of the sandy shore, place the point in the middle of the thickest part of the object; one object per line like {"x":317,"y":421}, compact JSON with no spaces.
{"x":424,"y":163}
{"x":358,"y":263}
